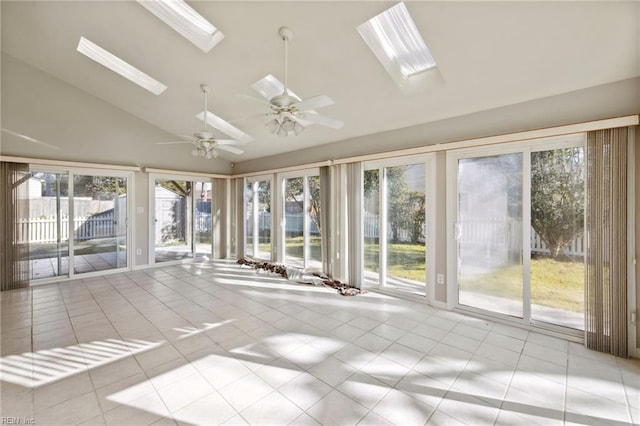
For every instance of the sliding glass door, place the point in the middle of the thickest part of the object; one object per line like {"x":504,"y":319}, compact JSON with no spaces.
{"x":77,"y":222}
{"x":46,"y":229}
{"x":181,"y":218}
{"x":202,"y":217}
{"x":518,"y":231}
{"x":258,"y":217}
{"x":489,"y":233}
{"x":301,"y":206}
{"x":100,"y":223}
{"x":395,"y":231}
{"x":173,"y":236}
{"x":557,"y":236}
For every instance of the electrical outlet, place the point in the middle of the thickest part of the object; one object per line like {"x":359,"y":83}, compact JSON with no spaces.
{"x":139,"y":252}
{"x":440,"y":278}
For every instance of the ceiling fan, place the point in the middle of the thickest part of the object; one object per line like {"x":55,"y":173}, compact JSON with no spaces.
{"x":288,"y":113}
{"x":205,"y":143}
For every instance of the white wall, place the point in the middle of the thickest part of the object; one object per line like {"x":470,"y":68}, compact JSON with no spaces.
{"x":611,"y":100}
{"x":43,"y":107}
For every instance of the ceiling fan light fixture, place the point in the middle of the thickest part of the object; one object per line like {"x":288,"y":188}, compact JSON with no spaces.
{"x":272,"y":125}
{"x":185,"y":20}
{"x":288,"y":124}
{"x":281,"y":132}
{"x":297,"y":128}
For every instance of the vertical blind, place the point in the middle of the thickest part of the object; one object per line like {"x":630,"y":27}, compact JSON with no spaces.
{"x":606,"y":262}
{"x":14,"y":204}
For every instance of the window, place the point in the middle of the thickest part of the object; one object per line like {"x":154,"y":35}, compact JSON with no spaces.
{"x":395,"y":228}
{"x":258,"y":217}
{"x":77,"y":221}
{"x":301,"y":238}
{"x":180,"y":218}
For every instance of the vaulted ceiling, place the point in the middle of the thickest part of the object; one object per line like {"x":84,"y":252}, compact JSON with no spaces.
{"x":489,"y":55}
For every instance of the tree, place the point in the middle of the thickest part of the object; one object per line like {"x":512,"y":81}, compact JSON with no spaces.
{"x":405,"y":209}
{"x":417,"y":218}
{"x":397,"y":207}
{"x":557,"y":197}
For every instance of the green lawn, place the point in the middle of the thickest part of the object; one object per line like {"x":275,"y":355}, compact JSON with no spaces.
{"x":554,"y":284}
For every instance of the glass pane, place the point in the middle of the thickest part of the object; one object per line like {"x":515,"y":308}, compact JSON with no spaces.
{"x":264,"y":220}
{"x":48,"y":225}
{"x":172,"y":217}
{"x":371,"y":220}
{"x":249,"y":226}
{"x":315,"y":249}
{"x":294,"y":221}
{"x":557,"y":237}
{"x":490,"y":267}
{"x":203,"y":219}
{"x":99,"y":225}
{"x":406,"y":220}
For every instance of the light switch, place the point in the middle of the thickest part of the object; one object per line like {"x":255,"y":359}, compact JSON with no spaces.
{"x":140,"y":210}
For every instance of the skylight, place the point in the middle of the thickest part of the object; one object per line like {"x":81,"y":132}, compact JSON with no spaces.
{"x":115,"y":64}
{"x":225,"y":127}
{"x":393,"y":37}
{"x":186,"y":21}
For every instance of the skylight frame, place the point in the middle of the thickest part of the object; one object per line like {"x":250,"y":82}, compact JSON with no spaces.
{"x":119,"y":66}
{"x":186,"y":21}
{"x":396,"y":42}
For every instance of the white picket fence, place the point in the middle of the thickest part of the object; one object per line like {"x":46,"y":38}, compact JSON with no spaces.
{"x":45,"y":230}
{"x":486,"y":232}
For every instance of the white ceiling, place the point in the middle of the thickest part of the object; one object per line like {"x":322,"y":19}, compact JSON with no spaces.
{"x":489,"y":55}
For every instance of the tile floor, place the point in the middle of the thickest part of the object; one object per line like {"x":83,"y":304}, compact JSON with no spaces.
{"x":214,"y":343}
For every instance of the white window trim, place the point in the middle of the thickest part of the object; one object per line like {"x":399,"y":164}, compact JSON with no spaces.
{"x":280,"y":178}
{"x":130,"y":226}
{"x":253,"y":180}
{"x":152,"y":219}
{"x":430,"y":190}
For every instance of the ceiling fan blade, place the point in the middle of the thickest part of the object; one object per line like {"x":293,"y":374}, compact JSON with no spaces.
{"x":225,"y":127}
{"x":171,"y":143}
{"x":229,"y":142}
{"x":315,"y":102}
{"x":322,"y":120}
{"x":231,"y":149}
{"x":260,"y":101}
{"x":30,"y":139}
{"x":191,"y":138}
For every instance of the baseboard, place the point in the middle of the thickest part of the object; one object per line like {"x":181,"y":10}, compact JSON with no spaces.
{"x":439,"y":305}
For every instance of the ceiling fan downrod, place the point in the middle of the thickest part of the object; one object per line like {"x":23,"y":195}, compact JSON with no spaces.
{"x":287,"y":35}
{"x":205,"y":90}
